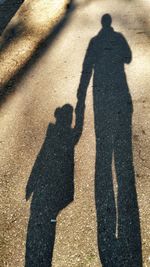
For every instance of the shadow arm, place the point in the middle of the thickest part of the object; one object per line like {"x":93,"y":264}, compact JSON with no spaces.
{"x":32,"y":179}
{"x":86,"y":72}
{"x":127,"y":54}
{"x":79,"y":122}
{"x":39,"y":166}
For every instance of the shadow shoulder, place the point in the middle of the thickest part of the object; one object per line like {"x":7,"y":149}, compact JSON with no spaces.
{"x":92,"y":42}
{"x":94,"y":39}
{"x":50,"y":128}
{"x":119,"y":36}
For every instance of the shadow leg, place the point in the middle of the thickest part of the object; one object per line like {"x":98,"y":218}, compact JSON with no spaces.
{"x":104,"y":194}
{"x":40,"y":241}
{"x":129,"y":240}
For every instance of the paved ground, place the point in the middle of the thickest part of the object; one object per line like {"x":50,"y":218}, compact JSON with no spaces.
{"x":51,"y":82}
{"x":31,"y":24}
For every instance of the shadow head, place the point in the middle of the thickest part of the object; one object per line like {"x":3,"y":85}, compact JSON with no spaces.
{"x":106,"y":21}
{"x":64,"y":115}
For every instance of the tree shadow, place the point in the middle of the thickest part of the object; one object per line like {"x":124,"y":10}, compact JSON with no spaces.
{"x":45,"y":43}
{"x":12,"y":33}
{"x":52,"y":184}
{"x":118,"y":224}
{"x":8,"y":8}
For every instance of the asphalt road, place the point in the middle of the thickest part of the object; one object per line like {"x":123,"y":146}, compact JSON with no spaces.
{"x":34,"y":144}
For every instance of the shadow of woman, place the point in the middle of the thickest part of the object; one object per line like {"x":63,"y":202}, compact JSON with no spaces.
{"x":52,"y":184}
{"x":118,"y":225}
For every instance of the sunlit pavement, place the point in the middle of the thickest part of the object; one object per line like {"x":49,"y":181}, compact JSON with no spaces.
{"x":51,"y":82}
{"x":30,"y":25}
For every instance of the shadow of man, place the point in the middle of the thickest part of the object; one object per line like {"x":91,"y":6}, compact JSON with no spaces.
{"x":118,"y":226}
{"x":52,"y":184}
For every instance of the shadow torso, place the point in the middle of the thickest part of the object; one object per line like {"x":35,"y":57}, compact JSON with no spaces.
{"x":54,"y":169}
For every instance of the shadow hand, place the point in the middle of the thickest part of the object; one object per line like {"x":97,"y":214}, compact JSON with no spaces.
{"x":28,"y":194}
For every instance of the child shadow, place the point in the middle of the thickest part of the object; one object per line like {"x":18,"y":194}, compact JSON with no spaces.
{"x":52,"y":184}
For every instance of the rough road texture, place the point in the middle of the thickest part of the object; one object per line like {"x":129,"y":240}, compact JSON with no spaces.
{"x":32,"y":23}
{"x":51,"y":82}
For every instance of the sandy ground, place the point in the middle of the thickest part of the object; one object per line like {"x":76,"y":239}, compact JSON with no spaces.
{"x":51,"y":82}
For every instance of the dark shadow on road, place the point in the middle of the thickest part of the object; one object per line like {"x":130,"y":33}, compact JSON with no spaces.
{"x":118,"y":224}
{"x":51,"y":184}
{"x":10,"y":87}
{"x":8,"y":8}
{"x":12,"y":33}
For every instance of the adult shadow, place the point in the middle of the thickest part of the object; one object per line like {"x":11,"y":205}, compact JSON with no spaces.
{"x":51,"y":184}
{"x":118,"y":224}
